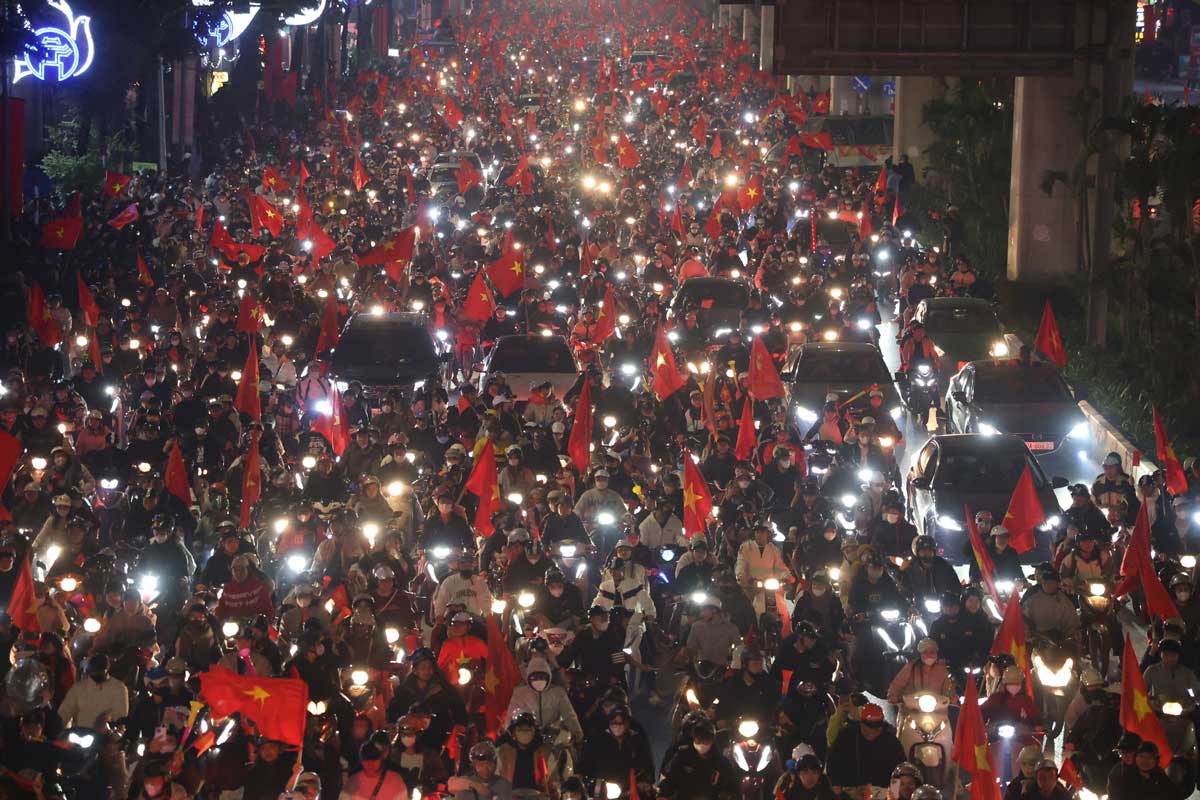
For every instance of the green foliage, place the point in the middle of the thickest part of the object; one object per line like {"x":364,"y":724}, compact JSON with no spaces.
{"x":69,"y":169}
{"x":970,"y":164}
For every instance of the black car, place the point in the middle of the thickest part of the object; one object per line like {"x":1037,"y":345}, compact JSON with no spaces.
{"x":382,"y":351}
{"x":719,"y":303}
{"x":961,"y":472}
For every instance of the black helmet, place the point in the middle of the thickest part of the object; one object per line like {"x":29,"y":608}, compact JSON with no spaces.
{"x":160,"y":521}
{"x":523,"y":719}
{"x":555,"y":575}
{"x":422,"y":654}
{"x":807,"y":629}
{"x":923,"y":542}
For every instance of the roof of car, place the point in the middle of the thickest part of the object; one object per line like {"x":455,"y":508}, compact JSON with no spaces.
{"x":838,"y":347}
{"x":389,"y":319}
{"x":959,"y":442}
{"x":956,"y":302}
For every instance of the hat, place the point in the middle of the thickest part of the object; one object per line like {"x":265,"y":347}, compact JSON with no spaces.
{"x":176,"y":666}
{"x":461,"y":617}
{"x":499,"y":400}
{"x":1048,"y":763}
{"x":1171,"y":646}
{"x":601,"y":473}
{"x":62,"y":499}
{"x":1129,"y":741}
{"x":808,"y":761}
{"x":871,"y":714}
{"x":1111,"y":460}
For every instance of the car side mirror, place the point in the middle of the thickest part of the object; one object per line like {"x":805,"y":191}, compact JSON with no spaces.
{"x":1059,"y":482}
{"x":959,"y":396}
{"x":919,"y":483}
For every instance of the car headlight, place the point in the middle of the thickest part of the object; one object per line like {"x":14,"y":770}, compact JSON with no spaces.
{"x":1080,"y":431}
{"x":987,"y":429}
{"x":999,"y":350}
{"x":806,"y":415}
{"x":949,"y":523}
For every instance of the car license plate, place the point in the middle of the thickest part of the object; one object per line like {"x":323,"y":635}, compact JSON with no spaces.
{"x":1040,"y":445}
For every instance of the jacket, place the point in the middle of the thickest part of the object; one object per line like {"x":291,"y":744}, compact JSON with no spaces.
{"x":689,"y":775}
{"x":915,"y":676}
{"x":713,"y":641}
{"x":471,"y":592}
{"x":1045,"y":612}
{"x":759,"y":564}
{"x":549,"y":706}
{"x":87,"y":702}
{"x":853,"y":761}
{"x":608,"y":759}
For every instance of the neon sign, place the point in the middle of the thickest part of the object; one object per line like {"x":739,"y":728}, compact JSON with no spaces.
{"x":233,"y":24}
{"x":306,"y":16}
{"x":61,"y":53}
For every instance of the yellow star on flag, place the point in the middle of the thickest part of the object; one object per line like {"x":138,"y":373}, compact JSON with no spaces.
{"x":271,"y":181}
{"x":752,"y":192}
{"x":496,"y":492}
{"x":483,"y":296}
{"x":1018,"y":652}
{"x":270,"y":214}
{"x":981,"y":758}
{"x":463,"y":659}
{"x":690,"y":497}
{"x":516,"y":267}
{"x":1141,"y":705}
{"x":660,"y":360}
{"x":491,"y":681}
{"x":61,"y":232}
{"x":118,"y":186}
{"x":388,"y":245}
{"x":620,"y":151}
{"x":259,"y":694}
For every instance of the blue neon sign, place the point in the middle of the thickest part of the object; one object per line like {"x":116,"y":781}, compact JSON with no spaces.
{"x":61,"y":53}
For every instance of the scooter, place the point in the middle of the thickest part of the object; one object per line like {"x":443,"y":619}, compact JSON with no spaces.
{"x":1054,"y":680}
{"x":923,"y":727}
{"x":1098,"y":618}
{"x":755,"y":759}
{"x":697,"y":692}
{"x":1176,"y":719}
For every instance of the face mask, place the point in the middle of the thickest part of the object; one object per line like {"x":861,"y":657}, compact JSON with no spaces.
{"x":702,"y":747}
{"x":818,"y":591}
{"x":929,"y":659}
{"x":892,"y":518}
{"x":539,"y":685}
{"x":617,"y":730}
{"x":1012,"y":688}
{"x":524,"y":736}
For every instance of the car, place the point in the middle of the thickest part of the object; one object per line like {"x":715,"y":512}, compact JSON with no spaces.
{"x":719,"y":302}
{"x":456,"y":157}
{"x":443,"y":186}
{"x":1029,"y":400}
{"x":957,"y":473}
{"x":642,"y":56}
{"x":529,"y":102}
{"x":384,"y":351}
{"x":963,"y":329}
{"x":527,"y":360}
{"x":816,"y":369}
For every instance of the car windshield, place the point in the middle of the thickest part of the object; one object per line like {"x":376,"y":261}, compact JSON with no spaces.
{"x":373,"y":345}
{"x":985,"y":470}
{"x":532,"y":354}
{"x":716,"y":294}
{"x":961,"y":319}
{"x":1021,"y":386}
{"x":840,"y":367}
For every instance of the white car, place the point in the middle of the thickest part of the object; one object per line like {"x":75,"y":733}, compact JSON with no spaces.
{"x":529,"y":360}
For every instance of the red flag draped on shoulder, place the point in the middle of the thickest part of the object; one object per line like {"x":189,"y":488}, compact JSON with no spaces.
{"x":971,"y":750}
{"x":987,"y":568}
{"x":485,"y":485}
{"x":697,"y":501}
{"x":1010,"y":638}
{"x":278,"y":707}
{"x":22,"y":604}
{"x":1176,"y":480}
{"x":1137,"y":569}
{"x":1024,"y":513}
{"x":502,"y":676}
{"x":1137,"y":715}
{"x":1049,"y":342}
{"x":579,"y":444}
{"x":763,"y":381}
{"x":667,"y":379}
{"x":176,"y":476}
{"x":248,"y":399}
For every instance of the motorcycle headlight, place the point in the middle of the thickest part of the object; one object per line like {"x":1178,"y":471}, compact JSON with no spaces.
{"x":395,"y":488}
{"x":498,"y":606}
{"x":933,"y":607}
{"x":1097,"y":589}
{"x":924,"y":369}
{"x":848,"y":500}
{"x":771,"y":585}
{"x":699,"y":598}
{"x":1004,"y":587}
{"x":864,"y":324}
{"x":865,"y":475}
{"x":308,"y":462}
{"x":85,"y":740}
{"x":691,"y":697}
{"x":988,"y":429}
{"x":441,"y":552}
{"x":739,"y":755}
{"x":91,"y":625}
{"x":359,"y":677}
{"x":835,"y":573}
{"x":38,"y":463}
{"x":890,"y":614}
{"x":148,"y":583}
{"x":806,"y":415}
{"x":668,"y":555}
{"x":927,"y":703}
{"x":525,"y":599}
{"x":612,"y":790}
{"x":1188,"y":562}
{"x":605,"y":518}
{"x":68,"y":584}
{"x":229,"y":629}
{"x":949,"y":523}
{"x":281,"y":525}
{"x":392,"y":635}
{"x":1006,"y":731}
{"x":297,"y":563}
{"x":1053,"y":679}
{"x":748,"y":729}
{"x":1172,"y":709}
{"x":999,"y":350}
{"x":628,"y":369}
{"x":567,"y":551}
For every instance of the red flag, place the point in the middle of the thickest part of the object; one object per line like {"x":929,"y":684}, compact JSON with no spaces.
{"x":712,"y":227}
{"x":40,"y":320}
{"x":585,"y":258}
{"x":248,"y":400}
{"x":579,"y":445}
{"x":63,"y":233}
{"x":677,"y":221}
{"x":700,"y":131}
{"x":750,"y":194}
{"x":249,"y":318}
{"x":519,"y":172}
{"x":633,"y":790}
{"x":685,"y":175}
{"x":820,"y":103}
{"x":897,"y":210}
{"x":251,"y":480}
{"x":627,"y":154}
{"x":763,"y":381}
{"x":971,"y":750}
{"x":176,"y":476}
{"x":278,"y":707}
{"x":502,"y":676}
{"x":508,"y":274}
{"x":793,"y":149}
{"x":817,"y":141}
{"x":94,"y":352}
{"x":125,"y":217}
{"x":321,"y":244}
{"x":396,"y":249}
{"x":881,"y":182}
{"x":1137,"y":567}
{"x":479,"y":304}
{"x":864,"y":220}
{"x":22,"y":604}
{"x":1024,"y":513}
{"x":1049,"y":342}
{"x":606,"y":318}
{"x":144,"y":276}
{"x":87,"y":303}
{"x":484,"y":484}
{"x":1137,"y":715}
{"x":467,"y":176}
{"x":273,"y":182}
{"x":264,"y":215}
{"x":667,"y":379}
{"x":715,"y":150}
{"x":115,"y":183}
{"x":200,"y":218}
{"x":452,"y":114}
{"x":1010,"y":638}
{"x":333,"y":424}
{"x":697,"y":501}
{"x":331,"y":332}
{"x":983,"y":558}
{"x":1176,"y":481}
{"x":359,"y":174}
{"x":747,"y":438}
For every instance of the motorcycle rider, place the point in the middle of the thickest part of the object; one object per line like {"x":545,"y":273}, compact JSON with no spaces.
{"x":749,"y":692}
{"x":927,"y":575}
{"x":1086,"y":515}
{"x":545,"y":700}
{"x":1114,"y":485}
{"x":618,"y":752}
{"x":865,"y":752}
{"x":1145,"y":779}
{"x":1027,"y":762}
{"x":963,"y":631}
{"x":926,"y":673}
{"x":482,"y":782}
{"x":465,"y":587}
{"x":891,"y":534}
{"x":873,"y":589}
{"x":1050,"y":612}
{"x":759,"y":560}
{"x":806,"y":780}
{"x":820,"y":605}
{"x":1045,"y":785}
{"x":699,"y":771}
{"x":557,"y":603}
{"x":713,"y":635}
{"x":806,"y":656}
{"x":1168,"y":679}
{"x":1010,"y":703}
{"x":597,"y":650}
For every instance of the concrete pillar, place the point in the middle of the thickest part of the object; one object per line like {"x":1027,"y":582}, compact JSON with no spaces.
{"x":911,"y":136}
{"x":841,"y":96}
{"x":750,"y":25}
{"x":766,"y":39}
{"x":1042,"y":231}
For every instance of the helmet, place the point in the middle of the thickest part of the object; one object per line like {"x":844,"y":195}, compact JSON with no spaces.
{"x":923,"y":542}
{"x":1147,"y":746}
{"x":949,"y":599}
{"x":513,"y":450}
{"x":572,"y":785}
{"x":906,"y":770}
{"x":383,"y":573}
{"x":1180,"y":580}
{"x":927,"y":645}
{"x":162,"y":521}
{"x":518,"y":536}
{"x":1091,"y":679}
{"x":926,"y":792}
{"x":1013,"y":674}
{"x":872,"y":714}
{"x":555,"y":575}
{"x":483,"y":751}
{"x":523,"y":719}
{"x":1047,"y":572}
{"x":807,"y":629}
{"x":422,"y":654}
{"x":1030,"y":754}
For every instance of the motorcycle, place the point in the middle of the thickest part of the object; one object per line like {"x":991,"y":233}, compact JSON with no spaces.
{"x":923,"y":727}
{"x":1054,"y":680}
{"x":1098,"y":617}
{"x":755,"y":760}
{"x":919,"y":387}
{"x":697,"y":692}
{"x":1175,"y":716}
{"x":1006,"y":740}
{"x":572,"y":558}
{"x":890,"y":647}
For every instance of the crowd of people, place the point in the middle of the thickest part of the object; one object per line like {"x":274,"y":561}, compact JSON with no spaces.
{"x":639,"y":585}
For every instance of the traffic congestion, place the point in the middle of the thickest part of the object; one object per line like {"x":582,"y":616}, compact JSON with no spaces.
{"x":538,"y":413}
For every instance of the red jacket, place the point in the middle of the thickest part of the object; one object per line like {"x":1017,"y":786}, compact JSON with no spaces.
{"x":245,"y":600}
{"x":1013,"y":709}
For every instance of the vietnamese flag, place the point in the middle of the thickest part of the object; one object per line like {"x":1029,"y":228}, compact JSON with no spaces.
{"x":817,"y":141}
{"x":115,"y":183}
{"x":144,"y":276}
{"x":793,"y":149}
{"x":125,"y":217}
{"x":627,"y":155}
{"x":40,"y":320}
{"x":479,"y":304}
{"x":359,"y":174}
{"x":330,"y":332}
{"x":667,"y":379}
{"x":897,"y":210}
{"x":715,"y":150}
{"x":452,"y":114}
{"x":322,"y":245}
{"x":1176,"y":481}
{"x":333,"y":425}
{"x":820,"y":103}
{"x":22,"y":604}
{"x":1049,"y":342}
{"x":1010,"y":638}
{"x":264,"y":215}
{"x":251,"y":480}
{"x":248,"y":400}
{"x":606,"y":318}
{"x":272,"y":181}
{"x":987,"y":568}
{"x":685,"y":175}
{"x":467,"y":176}
{"x":502,"y":676}
{"x":278,"y":707}
{"x":579,"y":444}
{"x":697,"y":501}
{"x":1137,"y":567}
{"x":864,"y":220}
{"x":677,"y":221}
{"x":63,"y":233}
{"x":585,"y":258}
{"x":750,"y":194}
{"x":971,"y":750}
{"x":249,"y":318}
{"x":712,"y":227}
{"x":881,"y":181}
{"x":87,"y":303}
{"x":1024,"y":513}
{"x":508,"y":274}
{"x":176,"y":477}
{"x":700,"y":130}
{"x":397,"y":250}
{"x":763,"y":381}
{"x":1137,"y":715}
{"x":484,"y":484}
{"x":747,"y":438}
